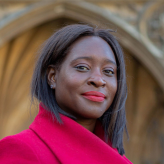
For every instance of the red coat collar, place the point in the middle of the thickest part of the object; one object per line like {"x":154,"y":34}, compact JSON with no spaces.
{"x":72,"y":143}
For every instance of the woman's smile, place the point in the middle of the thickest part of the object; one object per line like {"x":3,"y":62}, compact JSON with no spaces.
{"x":94,"y":96}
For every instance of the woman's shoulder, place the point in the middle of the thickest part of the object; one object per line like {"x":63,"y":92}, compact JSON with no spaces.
{"x":17,"y":149}
{"x":26,"y":138}
{"x":25,"y":147}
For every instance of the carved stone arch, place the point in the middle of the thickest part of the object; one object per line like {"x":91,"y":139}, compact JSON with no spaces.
{"x":88,"y":13}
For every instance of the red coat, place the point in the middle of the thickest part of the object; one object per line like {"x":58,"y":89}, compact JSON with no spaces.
{"x":47,"y":142}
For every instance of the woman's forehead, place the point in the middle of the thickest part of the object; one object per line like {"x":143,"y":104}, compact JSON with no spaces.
{"x":90,"y":47}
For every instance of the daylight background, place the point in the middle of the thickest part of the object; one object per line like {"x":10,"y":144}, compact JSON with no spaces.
{"x":26,"y":24}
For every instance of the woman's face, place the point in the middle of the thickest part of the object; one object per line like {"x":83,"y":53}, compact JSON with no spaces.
{"x":86,"y":83}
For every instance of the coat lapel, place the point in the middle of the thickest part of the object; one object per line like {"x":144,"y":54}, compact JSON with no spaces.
{"x":72,"y":143}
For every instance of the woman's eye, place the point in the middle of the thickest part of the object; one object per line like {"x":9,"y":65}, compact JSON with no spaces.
{"x":109,"y":72}
{"x":82,"y":68}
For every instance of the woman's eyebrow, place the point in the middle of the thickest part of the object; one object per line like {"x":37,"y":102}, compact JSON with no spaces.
{"x":84,"y":57}
{"x":110,"y":61}
{"x":90,"y":58}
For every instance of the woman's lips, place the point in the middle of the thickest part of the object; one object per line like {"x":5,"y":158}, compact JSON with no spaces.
{"x":94,"y":96}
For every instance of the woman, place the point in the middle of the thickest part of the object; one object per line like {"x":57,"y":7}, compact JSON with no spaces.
{"x":80,"y":82}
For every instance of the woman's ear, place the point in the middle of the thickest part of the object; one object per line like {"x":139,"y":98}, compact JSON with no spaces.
{"x":51,"y":77}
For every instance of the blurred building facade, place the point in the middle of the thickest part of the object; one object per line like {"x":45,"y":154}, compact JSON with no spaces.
{"x":26,"y":24}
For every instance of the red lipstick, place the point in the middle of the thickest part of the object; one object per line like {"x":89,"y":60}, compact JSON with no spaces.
{"x":94,"y":96}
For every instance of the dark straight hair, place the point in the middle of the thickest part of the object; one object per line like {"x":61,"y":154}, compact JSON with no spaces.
{"x":54,"y":52}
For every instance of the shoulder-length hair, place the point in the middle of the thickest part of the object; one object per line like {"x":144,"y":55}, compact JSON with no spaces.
{"x":55,"y":51}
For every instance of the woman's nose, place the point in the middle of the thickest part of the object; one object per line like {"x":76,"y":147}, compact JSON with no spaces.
{"x":96,"y":80}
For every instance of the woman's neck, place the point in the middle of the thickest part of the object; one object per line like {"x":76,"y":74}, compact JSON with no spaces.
{"x":87,"y":123}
